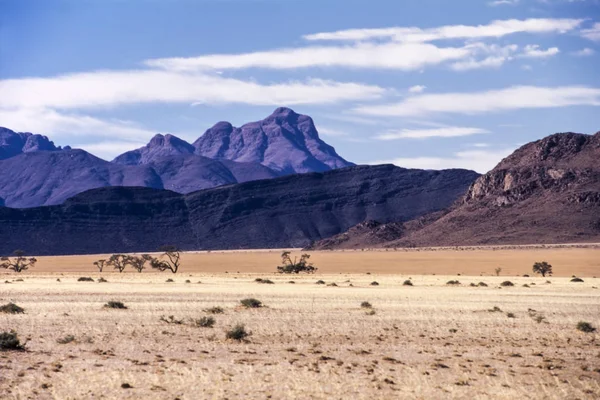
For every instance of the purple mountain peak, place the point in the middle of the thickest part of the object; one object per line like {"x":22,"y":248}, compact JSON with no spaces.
{"x":159,"y":146}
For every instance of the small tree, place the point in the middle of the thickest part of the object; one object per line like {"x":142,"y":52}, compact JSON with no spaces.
{"x":118,"y":261}
{"x":296,"y":266}
{"x":169,"y":260}
{"x":100,"y":264}
{"x":497,"y":271}
{"x":542,"y":268}
{"x":18,"y":262}
{"x":139,"y":263}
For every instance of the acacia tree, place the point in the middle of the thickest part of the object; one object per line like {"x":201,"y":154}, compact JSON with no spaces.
{"x":100,"y":264}
{"x":118,"y":261}
{"x":542,"y":268}
{"x":169,"y":260}
{"x":296,"y":266}
{"x":18,"y":262}
{"x":139,"y":263}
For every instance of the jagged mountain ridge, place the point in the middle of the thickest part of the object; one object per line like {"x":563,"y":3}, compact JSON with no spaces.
{"x":285,"y":140}
{"x":547,"y":191}
{"x":288,"y":211}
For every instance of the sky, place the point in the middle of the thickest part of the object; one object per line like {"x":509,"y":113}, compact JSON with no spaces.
{"x":419,"y":83}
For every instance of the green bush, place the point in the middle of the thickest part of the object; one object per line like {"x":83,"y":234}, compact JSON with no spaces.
{"x":453,"y":282}
{"x":238,"y":332}
{"x":407,"y":283}
{"x":585,"y":327}
{"x":205,"y":322}
{"x":374,"y":283}
{"x":507,"y":283}
{"x":576,"y":280}
{"x":85,"y":279}
{"x":366,"y":304}
{"x":116,"y":305}
{"x":11,"y":308}
{"x":10,"y":341}
{"x":251,"y":303}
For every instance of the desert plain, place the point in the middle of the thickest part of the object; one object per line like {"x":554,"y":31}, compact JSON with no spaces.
{"x":363,"y":334}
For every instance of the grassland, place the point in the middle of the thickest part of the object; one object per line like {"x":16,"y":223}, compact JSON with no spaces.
{"x":426,"y":341}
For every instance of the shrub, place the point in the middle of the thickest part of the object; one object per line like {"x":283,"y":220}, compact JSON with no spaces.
{"x":205,"y":322}
{"x":11,"y":308}
{"x":65,"y":340}
{"x":542,"y":268}
{"x":585,"y":327}
{"x":10,"y":341}
{"x":495,"y":309}
{"x":576,"y":280}
{"x":171,"y":320}
{"x":366,"y":304}
{"x":251,"y":303}
{"x":482,"y":284}
{"x":115,"y":304}
{"x":453,"y":282}
{"x":214,"y":310}
{"x":371,"y":312}
{"x":374,"y":283}
{"x":473,"y":284}
{"x":296,"y":266}
{"x":507,"y":283}
{"x":407,"y":283}
{"x":511,"y":315}
{"x":169,"y":280}
{"x":85,"y":279}
{"x":525,"y":285}
{"x":265,"y":281}
{"x":320,"y":282}
{"x":102,"y":280}
{"x":238,"y":332}
{"x":332,"y":284}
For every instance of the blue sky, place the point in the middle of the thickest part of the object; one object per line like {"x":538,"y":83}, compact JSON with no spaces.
{"x":423,"y":84}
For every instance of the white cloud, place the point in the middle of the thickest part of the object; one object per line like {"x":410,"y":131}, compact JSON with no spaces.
{"x":478,"y":160}
{"x":592,"y":33}
{"x":494,"y":56}
{"x":331,"y":132}
{"x":534,"y":51}
{"x":512,"y":98}
{"x":495,"y":29}
{"x":417,"y":89}
{"x":447,"y":132}
{"x":503,"y":3}
{"x":584,"y":52}
{"x":64,"y":127}
{"x":111,"y":88}
{"x":403,"y":56}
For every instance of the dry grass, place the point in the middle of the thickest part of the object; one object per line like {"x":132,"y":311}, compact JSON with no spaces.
{"x":428,"y":341}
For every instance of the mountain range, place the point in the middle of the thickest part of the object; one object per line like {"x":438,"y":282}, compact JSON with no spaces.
{"x":289,"y":211}
{"x":35,"y":172}
{"x":547,"y":191}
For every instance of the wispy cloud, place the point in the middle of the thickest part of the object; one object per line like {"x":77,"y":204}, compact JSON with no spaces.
{"x":447,"y":132}
{"x":512,"y":98}
{"x":331,"y":132}
{"x":112,"y":88}
{"x":417,"y":89}
{"x":390,"y":55}
{"x":584,"y":52}
{"x":477,"y":160}
{"x":503,"y":3}
{"x":494,"y":29}
{"x":534,"y":51}
{"x":592,"y":33}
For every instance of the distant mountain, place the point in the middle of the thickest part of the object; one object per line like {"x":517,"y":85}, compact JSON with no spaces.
{"x":285,"y":142}
{"x":15,"y":143}
{"x":50,"y":177}
{"x":547,"y":191}
{"x":288,"y":211}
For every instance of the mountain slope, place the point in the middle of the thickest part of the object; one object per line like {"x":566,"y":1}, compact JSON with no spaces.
{"x":288,"y":211}
{"x":285,"y":142}
{"x":547,"y":191}
{"x":49,"y":177}
{"x":14,"y":143}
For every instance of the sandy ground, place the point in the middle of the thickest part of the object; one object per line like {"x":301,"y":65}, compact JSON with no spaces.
{"x":470,"y":261}
{"x":310,"y":341}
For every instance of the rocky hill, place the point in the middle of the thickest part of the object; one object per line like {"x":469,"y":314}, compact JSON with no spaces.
{"x":285,"y":142}
{"x":288,"y":211}
{"x":547,"y":191}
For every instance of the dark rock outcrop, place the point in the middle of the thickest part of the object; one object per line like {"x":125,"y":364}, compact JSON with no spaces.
{"x":15,"y":143}
{"x":547,"y":191}
{"x":289,"y":211}
{"x":285,"y":142}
